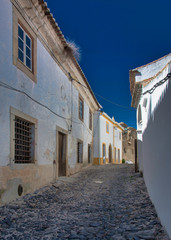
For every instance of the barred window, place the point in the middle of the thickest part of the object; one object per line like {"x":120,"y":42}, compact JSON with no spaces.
{"x":24,"y":141}
{"x":80,"y":152}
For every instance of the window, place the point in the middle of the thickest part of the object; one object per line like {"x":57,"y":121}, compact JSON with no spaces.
{"x":80,"y":152}
{"x":23,"y":137}
{"x":107,"y":127}
{"x":81,"y":108}
{"x":24,"y":46}
{"x":90,"y":120}
{"x":119,"y":135}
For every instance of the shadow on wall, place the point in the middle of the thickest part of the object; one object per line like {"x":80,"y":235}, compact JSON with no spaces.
{"x":140,"y":159}
{"x":156,"y":150}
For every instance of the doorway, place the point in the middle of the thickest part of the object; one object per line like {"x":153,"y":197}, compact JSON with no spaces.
{"x":89,"y":153}
{"x":61,"y":154}
{"x":118,"y":155}
{"x":115,"y":154}
{"x":110,"y":154}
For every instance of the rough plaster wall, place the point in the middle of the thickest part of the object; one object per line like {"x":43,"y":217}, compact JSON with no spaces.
{"x":118,"y":143}
{"x":154,"y":146}
{"x":156,"y":159}
{"x":153,"y":100}
{"x":96,"y":134}
{"x":53,"y":90}
{"x":128,"y":144}
{"x":106,"y":138}
{"x":5,"y":57}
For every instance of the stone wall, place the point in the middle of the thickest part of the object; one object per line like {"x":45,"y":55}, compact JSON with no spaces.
{"x":128,"y":139}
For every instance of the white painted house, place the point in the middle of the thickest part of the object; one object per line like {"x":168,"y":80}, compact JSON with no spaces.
{"x":107,"y":139}
{"x":151,"y":96}
{"x":46,"y":115}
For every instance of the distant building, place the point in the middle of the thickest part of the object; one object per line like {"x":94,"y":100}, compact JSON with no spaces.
{"x":151,"y":96}
{"x":129,"y":135}
{"x":107,"y":139}
{"x":46,"y":117}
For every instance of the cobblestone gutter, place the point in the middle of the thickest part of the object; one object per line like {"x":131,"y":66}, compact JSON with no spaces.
{"x":100,"y":202}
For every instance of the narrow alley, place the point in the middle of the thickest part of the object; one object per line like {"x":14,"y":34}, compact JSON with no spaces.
{"x":100,"y":202}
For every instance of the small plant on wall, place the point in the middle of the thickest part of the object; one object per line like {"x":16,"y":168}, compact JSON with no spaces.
{"x":123,"y":161}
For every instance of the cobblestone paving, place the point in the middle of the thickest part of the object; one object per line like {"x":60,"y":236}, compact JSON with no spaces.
{"x":101,"y":202}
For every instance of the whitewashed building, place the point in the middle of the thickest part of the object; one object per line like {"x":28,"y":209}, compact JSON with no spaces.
{"x":151,"y":96}
{"x":107,"y":139}
{"x":46,"y":103}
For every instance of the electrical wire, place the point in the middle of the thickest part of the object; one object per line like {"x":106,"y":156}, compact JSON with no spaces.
{"x":150,"y":91}
{"x":2,"y":84}
{"x":107,"y":100}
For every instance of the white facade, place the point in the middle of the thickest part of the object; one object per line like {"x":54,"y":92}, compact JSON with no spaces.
{"x":107,"y":139}
{"x":154,"y":136}
{"x":51,"y":103}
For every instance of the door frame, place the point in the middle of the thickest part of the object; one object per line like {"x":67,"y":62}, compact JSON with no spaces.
{"x":115,"y":155}
{"x":63,"y":131}
{"x":110,"y":153}
{"x":103,"y":155}
{"x":119,"y":155}
{"x":90,"y":147}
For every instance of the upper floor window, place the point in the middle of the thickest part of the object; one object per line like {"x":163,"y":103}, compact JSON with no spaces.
{"x":81,"y":108}
{"x":24,"y":47}
{"x":107,"y":127}
{"x":119,"y":135}
{"x":90,"y":120}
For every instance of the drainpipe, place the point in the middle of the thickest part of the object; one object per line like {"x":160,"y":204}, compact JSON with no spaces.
{"x":99,"y":138}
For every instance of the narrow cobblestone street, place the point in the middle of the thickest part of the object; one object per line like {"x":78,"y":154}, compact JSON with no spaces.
{"x":100,"y":202}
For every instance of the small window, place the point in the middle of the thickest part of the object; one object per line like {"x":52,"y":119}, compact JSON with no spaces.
{"x":107,"y":127}
{"x":24,"y":48}
{"x":119,"y":135}
{"x":80,"y":152}
{"x":24,"y":141}
{"x":81,"y":109}
{"x":90,"y":120}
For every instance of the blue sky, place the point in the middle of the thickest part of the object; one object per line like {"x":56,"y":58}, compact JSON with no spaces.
{"x":114,"y":37}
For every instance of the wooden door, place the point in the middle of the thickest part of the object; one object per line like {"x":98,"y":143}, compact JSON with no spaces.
{"x":110,"y":154}
{"x":61,"y":154}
